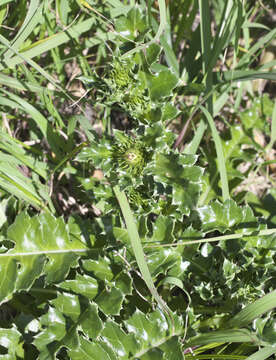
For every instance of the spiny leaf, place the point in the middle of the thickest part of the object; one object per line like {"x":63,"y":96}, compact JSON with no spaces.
{"x":110,"y":300}
{"x":54,"y":330}
{"x":37,"y":239}
{"x":83,"y":285}
{"x":10,"y":341}
{"x":226,"y":216}
{"x":162,"y":84}
{"x":152,"y":331}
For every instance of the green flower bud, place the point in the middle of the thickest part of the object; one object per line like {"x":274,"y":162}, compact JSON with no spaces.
{"x":120,"y":74}
{"x":130,"y":155}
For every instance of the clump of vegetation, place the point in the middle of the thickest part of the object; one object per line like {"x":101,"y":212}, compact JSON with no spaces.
{"x":134,"y":137}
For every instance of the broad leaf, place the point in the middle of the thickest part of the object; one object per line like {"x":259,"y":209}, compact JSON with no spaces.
{"x":37,"y":240}
{"x":161,"y":84}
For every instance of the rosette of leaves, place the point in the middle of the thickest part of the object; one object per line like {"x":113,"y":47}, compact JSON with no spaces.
{"x":122,"y":158}
{"x":130,"y":154}
{"x":54,"y":320}
{"x":120,"y":76}
{"x":157,"y":179}
{"x":176,"y":179}
{"x":121,"y":84}
{"x":137,"y":84}
{"x":142,"y":92}
{"x":155,"y":80}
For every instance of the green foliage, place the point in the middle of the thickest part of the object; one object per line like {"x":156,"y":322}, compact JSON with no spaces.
{"x":36,"y":240}
{"x":115,"y":243}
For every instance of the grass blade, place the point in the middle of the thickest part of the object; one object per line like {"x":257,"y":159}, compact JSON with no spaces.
{"x":220,"y":156}
{"x":194,"y":144}
{"x":206,"y":40}
{"x":243,"y":75}
{"x":17,"y":151}
{"x":224,"y":336}
{"x":242,"y":236}
{"x":138,"y":249}
{"x":39,"y":119}
{"x":17,"y":184}
{"x":263,"y":353}
{"x":273,"y":129}
{"x":19,"y":85}
{"x":252,"y":311}
{"x":49,"y":43}
{"x":33,"y":17}
{"x":248,"y":57}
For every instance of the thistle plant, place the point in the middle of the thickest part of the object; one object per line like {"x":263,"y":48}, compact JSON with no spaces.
{"x":164,"y":186}
{"x":130,"y":155}
{"x":120,"y":74}
{"x":135,"y":243}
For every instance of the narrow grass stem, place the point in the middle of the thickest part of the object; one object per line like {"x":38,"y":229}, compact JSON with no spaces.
{"x":216,"y":238}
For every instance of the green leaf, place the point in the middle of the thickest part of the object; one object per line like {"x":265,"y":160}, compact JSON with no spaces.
{"x":68,"y":304}
{"x":123,"y":344}
{"x":263,"y":353}
{"x":99,"y":153}
{"x":163,"y":229}
{"x":175,"y":167}
{"x":224,"y":336}
{"x":143,"y":336}
{"x":169,"y":112}
{"x":161,"y":84}
{"x":152,"y":53}
{"x":90,"y":316}
{"x":153,"y":332}
{"x":179,"y":172}
{"x":158,"y":137}
{"x":55,"y":330}
{"x":110,"y":300}
{"x":10,"y":341}
{"x":223,"y":217}
{"x":172,"y":349}
{"x":138,"y":249}
{"x":83,"y":285}
{"x":186,"y":196}
{"x":124,"y":282}
{"x":130,"y":24}
{"x":37,"y":239}
{"x":252,"y":311}
{"x":161,"y":260}
{"x":100,"y":268}
{"x":92,"y":351}
{"x":121,"y":235}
